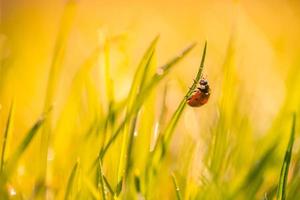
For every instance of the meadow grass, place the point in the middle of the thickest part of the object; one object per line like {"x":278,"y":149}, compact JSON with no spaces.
{"x":111,"y":149}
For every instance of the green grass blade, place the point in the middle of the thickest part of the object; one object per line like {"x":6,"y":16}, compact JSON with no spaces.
{"x":69,"y":191}
{"x":167,"y":134}
{"x":255,"y":173}
{"x":148,"y":88}
{"x":141,"y":72}
{"x":108,"y":186}
{"x":55,"y":68}
{"x":281,"y":191}
{"x":6,"y":133}
{"x":100,"y":180}
{"x":177,"y":189}
{"x":14,"y":158}
{"x":162,"y":72}
{"x":138,"y":83}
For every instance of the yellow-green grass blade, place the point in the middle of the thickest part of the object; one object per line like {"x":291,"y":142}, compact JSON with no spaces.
{"x":140,"y":73}
{"x":71,"y":182}
{"x":168,"y":132}
{"x":162,"y":72}
{"x":12,"y":161}
{"x":108,"y":186}
{"x":137,"y":85}
{"x":148,"y":88}
{"x":6,"y":133}
{"x":281,"y":191}
{"x":101,"y":180}
{"x":133,"y":125}
{"x":177,"y":189}
{"x":164,"y":139}
{"x":252,"y":179}
{"x":55,"y":68}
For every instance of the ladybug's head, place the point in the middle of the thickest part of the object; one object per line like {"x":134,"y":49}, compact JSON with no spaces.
{"x":203,"y":82}
{"x":204,"y":87}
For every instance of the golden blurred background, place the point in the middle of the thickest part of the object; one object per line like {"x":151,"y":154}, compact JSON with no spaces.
{"x":263,"y":35}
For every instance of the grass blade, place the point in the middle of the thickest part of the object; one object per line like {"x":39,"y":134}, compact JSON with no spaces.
{"x":255,"y":173}
{"x":6,"y":132}
{"x":177,"y":189}
{"x":281,"y":191}
{"x":100,"y":180}
{"x":14,"y":158}
{"x":69,"y":191}
{"x":108,"y":186}
{"x":140,"y":76}
{"x":175,"y":117}
{"x":162,"y":72}
{"x":55,"y":68}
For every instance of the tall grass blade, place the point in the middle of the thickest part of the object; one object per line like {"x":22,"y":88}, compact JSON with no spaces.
{"x":70,"y":187}
{"x":281,"y":191}
{"x":12,"y":161}
{"x":137,"y":85}
{"x":177,"y":189}
{"x":255,"y":173}
{"x":108,"y":186}
{"x":56,"y":65}
{"x":167,"y":134}
{"x":6,"y":133}
{"x":100,"y":180}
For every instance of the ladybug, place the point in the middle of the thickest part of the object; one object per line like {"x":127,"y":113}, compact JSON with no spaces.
{"x":201,"y":95}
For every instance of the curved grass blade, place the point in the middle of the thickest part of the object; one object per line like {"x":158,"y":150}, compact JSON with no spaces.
{"x":168,"y":132}
{"x":281,"y":191}
{"x":177,"y":189}
{"x":140,"y":77}
{"x":162,"y":72}
{"x":108,"y":186}
{"x":69,"y":191}
{"x":253,"y":177}
{"x":12,"y":161}
{"x":100,"y":180}
{"x":148,"y":88}
{"x":6,"y":133}
{"x":55,"y":68}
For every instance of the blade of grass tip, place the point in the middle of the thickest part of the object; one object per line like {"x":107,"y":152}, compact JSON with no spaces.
{"x":100,"y":180}
{"x":140,"y":71}
{"x":167,"y":134}
{"x":56,"y":63}
{"x":12,"y":161}
{"x":134,"y":88}
{"x":177,"y":189}
{"x":69,"y":191}
{"x":161,"y":73}
{"x":145,"y":92}
{"x":281,"y":191}
{"x":6,"y":133}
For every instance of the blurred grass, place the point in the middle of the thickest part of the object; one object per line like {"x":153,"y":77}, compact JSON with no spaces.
{"x":130,"y":127}
{"x":281,"y":191}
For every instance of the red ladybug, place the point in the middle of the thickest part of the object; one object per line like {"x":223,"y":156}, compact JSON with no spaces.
{"x":201,"y":95}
